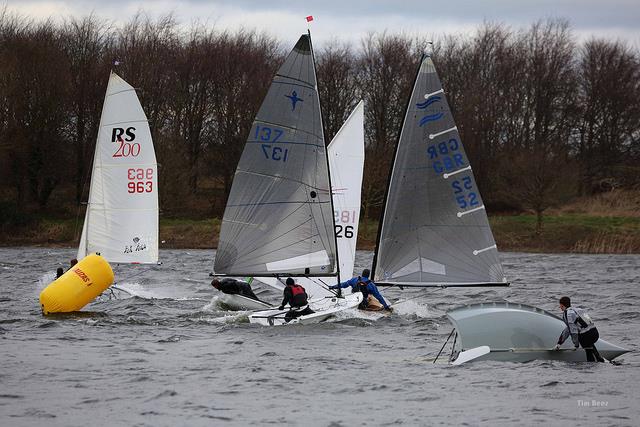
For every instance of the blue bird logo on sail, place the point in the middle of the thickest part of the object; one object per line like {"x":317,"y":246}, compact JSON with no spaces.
{"x":294,"y":100}
{"x":430,"y":117}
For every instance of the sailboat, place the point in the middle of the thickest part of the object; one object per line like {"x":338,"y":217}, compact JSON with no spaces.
{"x":121,"y":221}
{"x":279,"y":218}
{"x":435,"y":233}
{"x":346,"y":166}
{"x":434,"y":230}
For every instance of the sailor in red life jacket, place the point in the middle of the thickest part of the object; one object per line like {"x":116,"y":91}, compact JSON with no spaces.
{"x":365,"y":285}
{"x":297,"y":298}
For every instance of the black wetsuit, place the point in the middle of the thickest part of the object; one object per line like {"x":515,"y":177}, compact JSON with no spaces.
{"x":297,"y":298}
{"x":236,"y":287}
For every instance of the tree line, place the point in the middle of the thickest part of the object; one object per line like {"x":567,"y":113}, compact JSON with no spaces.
{"x":543,"y":118}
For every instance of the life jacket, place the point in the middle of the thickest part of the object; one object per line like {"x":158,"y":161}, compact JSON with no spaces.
{"x":362,"y":284}
{"x":298,"y":296}
{"x":583,"y":320}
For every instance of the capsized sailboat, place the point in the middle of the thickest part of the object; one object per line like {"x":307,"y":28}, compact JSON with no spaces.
{"x":516,"y":333}
{"x":279,"y":218}
{"x":434,"y":230}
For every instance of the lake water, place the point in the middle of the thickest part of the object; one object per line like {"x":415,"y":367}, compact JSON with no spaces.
{"x":171,"y":356}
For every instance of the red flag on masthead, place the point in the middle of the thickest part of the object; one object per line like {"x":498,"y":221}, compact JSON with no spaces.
{"x":309,"y":18}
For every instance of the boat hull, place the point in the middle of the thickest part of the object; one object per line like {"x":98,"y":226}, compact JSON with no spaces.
{"x":240,"y":302}
{"x":607,"y":350}
{"x":323,"y":309}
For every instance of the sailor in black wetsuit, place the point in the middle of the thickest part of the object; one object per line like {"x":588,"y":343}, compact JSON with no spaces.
{"x":234,"y":287}
{"x":296,"y":296}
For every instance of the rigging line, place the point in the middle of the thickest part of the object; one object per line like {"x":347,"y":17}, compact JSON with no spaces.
{"x":322,"y":283}
{"x":443,"y":345}
{"x":261,"y":245}
{"x":133,"y":275}
{"x":304,"y":86}
{"x":279,"y":177}
{"x":277,"y":249}
{"x":282,"y":220}
{"x":292,"y":128}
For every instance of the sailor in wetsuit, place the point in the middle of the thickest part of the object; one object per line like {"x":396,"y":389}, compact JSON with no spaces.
{"x":581,"y":328}
{"x":296,"y":296}
{"x":365,"y":285}
{"x":234,"y":287}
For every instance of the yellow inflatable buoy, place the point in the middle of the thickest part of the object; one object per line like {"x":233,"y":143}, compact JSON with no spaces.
{"x":78,"y":286}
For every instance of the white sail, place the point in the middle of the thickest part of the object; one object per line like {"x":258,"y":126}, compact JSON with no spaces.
{"x":121,"y":222}
{"x":346,"y":164}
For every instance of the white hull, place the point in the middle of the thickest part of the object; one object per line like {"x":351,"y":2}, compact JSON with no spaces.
{"x":323,"y":308}
{"x":239,"y":302}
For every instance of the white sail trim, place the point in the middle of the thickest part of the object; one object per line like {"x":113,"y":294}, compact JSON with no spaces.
{"x":477,"y":252}
{"x":315,"y":259}
{"x":429,"y":95}
{"x":461,"y":214}
{"x":447,"y":175}
{"x":435,"y":135}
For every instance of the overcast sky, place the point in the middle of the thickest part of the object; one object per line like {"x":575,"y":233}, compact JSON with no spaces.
{"x":349,"y":20}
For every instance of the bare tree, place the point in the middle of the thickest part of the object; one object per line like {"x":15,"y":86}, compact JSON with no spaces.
{"x":337,"y":85}
{"x":610,"y":106}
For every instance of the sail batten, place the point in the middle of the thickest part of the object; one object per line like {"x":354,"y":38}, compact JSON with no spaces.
{"x":279,"y":209}
{"x":434,"y":230}
{"x":121,"y":221}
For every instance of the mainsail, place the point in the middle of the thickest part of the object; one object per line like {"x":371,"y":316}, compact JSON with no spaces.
{"x":279,"y":215}
{"x":121,"y":222}
{"x":346,"y":164}
{"x":434,"y":230}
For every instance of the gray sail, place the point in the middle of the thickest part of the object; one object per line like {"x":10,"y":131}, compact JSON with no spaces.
{"x":279,"y":216}
{"x":435,"y":229}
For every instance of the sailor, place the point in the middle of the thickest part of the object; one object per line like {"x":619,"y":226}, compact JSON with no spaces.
{"x":59,"y":272}
{"x":365,"y":285}
{"x":234,"y":287}
{"x":297,"y":298}
{"x":581,"y":328}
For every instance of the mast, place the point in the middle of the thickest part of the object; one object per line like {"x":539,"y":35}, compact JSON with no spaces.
{"x":333,"y":218}
{"x":96,"y":157}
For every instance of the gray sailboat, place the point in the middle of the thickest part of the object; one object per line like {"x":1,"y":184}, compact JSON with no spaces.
{"x":435,"y":233}
{"x":434,"y":229}
{"x":279,"y":219}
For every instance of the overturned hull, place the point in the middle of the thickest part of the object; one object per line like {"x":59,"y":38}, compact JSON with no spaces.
{"x":518,"y":333}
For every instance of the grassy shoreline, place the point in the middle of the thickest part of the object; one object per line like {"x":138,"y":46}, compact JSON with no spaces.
{"x":562,"y":233}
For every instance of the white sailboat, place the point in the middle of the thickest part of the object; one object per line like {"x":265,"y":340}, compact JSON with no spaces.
{"x":279,"y":218}
{"x":121,"y":221}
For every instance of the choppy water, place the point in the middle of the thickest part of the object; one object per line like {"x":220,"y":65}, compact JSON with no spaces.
{"x":171,"y":356}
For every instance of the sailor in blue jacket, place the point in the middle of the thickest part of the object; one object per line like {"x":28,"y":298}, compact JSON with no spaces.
{"x":365,"y":285}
